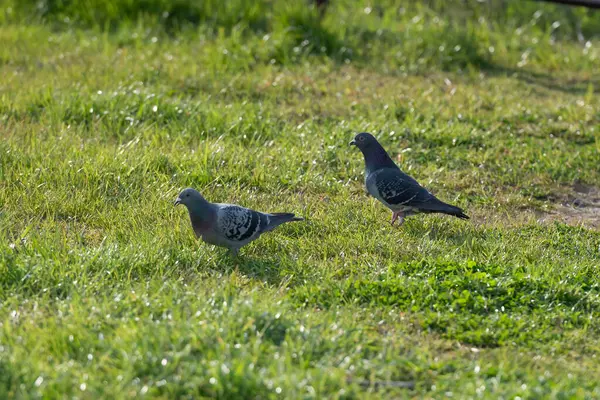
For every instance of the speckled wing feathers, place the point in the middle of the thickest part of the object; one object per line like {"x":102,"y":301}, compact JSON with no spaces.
{"x":398,"y":189}
{"x":239,"y":224}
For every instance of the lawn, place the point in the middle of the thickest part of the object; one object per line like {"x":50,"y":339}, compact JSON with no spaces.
{"x":109,"y":108}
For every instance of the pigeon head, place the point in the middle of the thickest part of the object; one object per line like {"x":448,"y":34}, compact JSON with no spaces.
{"x":189,"y":197}
{"x":375,"y":155}
{"x":364,"y":141}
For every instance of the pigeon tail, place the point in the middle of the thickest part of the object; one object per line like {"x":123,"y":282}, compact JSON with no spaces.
{"x":438,"y":206}
{"x":281,"y":218}
{"x":451,"y":210}
{"x":276,"y":219}
{"x":456,"y":212}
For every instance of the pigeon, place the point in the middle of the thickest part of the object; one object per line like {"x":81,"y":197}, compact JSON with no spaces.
{"x":228,"y":225}
{"x":396,"y":190}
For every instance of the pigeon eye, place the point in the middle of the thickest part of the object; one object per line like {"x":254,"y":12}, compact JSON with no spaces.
{"x":361,"y":138}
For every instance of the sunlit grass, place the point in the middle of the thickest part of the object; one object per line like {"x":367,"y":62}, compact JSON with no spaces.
{"x":107,"y":112}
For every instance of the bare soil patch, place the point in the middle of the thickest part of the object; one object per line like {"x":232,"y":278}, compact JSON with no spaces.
{"x":579,"y":207}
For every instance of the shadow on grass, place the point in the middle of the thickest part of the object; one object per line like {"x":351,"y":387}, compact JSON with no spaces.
{"x":258,"y":269}
{"x":171,"y":15}
{"x":442,"y":232}
{"x":545,"y":79}
{"x":432,"y":48}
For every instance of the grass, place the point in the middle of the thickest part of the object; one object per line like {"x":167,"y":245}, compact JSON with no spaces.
{"x":107,"y":111}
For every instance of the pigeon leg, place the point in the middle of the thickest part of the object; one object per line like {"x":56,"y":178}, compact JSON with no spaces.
{"x":234,"y":252}
{"x":400,"y":219}
{"x":398,"y":215}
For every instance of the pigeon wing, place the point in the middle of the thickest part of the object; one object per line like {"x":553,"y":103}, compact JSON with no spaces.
{"x":398,"y":189}
{"x":239,"y":224}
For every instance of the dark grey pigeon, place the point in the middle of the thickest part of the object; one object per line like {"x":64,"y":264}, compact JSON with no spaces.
{"x":228,"y":225}
{"x":396,"y":190}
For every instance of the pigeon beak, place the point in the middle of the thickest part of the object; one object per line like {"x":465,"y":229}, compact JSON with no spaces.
{"x":177,"y":202}
{"x":352,"y":143}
